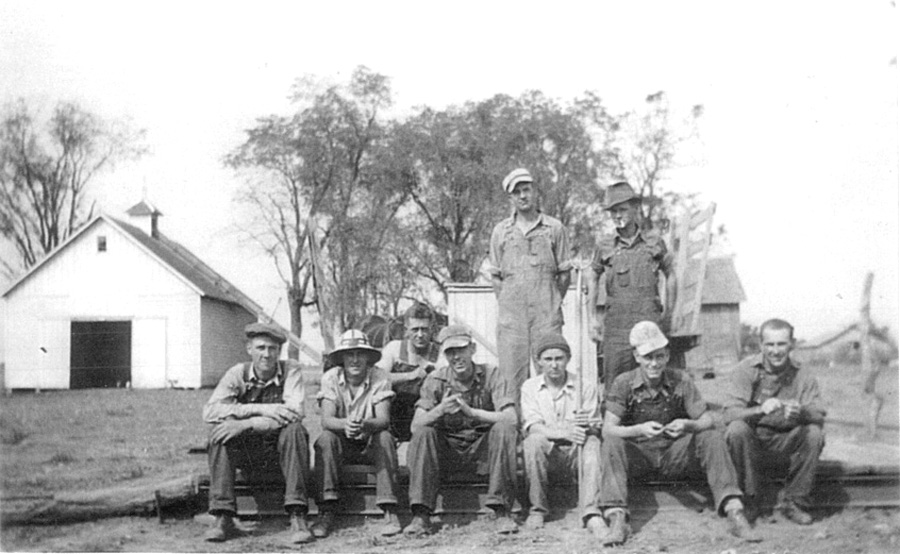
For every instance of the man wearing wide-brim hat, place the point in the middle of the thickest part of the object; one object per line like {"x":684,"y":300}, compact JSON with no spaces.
{"x":627,"y":265}
{"x":255,"y":414}
{"x":355,"y":397}
{"x":529,"y":267}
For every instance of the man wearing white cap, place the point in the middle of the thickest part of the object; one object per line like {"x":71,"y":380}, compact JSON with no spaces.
{"x":529,"y":266}
{"x":465,"y":421}
{"x":657,"y":421}
{"x":355,"y":398}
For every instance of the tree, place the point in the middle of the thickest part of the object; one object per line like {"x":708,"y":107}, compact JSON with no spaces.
{"x":46,"y":170}
{"x":647,"y":143}
{"x":311,"y":179}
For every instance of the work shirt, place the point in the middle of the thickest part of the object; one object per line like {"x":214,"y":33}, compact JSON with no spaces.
{"x":632,"y":267}
{"x":634,"y":401}
{"x":487,"y":391}
{"x":240,"y":387}
{"x":360,"y":405}
{"x":751,"y":385}
{"x":541,"y":404}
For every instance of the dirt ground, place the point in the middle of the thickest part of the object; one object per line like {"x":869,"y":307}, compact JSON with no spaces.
{"x":82,"y":440}
{"x":670,"y":530}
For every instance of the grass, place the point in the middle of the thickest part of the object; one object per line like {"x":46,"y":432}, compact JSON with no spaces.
{"x":86,"y":439}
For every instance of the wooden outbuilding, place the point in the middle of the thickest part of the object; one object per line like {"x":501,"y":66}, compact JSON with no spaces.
{"x":120,"y":304}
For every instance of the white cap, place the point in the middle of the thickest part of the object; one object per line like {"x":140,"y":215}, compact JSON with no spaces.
{"x":646,"y":337}
{"x":516,"y":176}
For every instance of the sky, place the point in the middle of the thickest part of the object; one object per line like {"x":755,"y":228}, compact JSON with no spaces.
{"x":798,"y":145}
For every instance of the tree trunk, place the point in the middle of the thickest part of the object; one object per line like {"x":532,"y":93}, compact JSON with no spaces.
{"x":869,"y":368}
{"x":295,"y":305}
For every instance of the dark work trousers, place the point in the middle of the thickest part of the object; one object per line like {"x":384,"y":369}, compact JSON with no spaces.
{"x":691,"y":454}
{"x":403,"y":408}
{"x":544,"y":458}
{"x":334,"y":450}
{"x":802,"y":444}
{"x":255,"y":453}
{"x":433,"y":453}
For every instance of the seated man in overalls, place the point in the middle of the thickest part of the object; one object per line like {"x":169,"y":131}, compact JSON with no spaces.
{"x":406,"y":363}
{"x":656,"y":420}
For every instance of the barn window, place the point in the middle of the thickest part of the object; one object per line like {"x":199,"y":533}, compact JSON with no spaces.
{"x":101,"y":243}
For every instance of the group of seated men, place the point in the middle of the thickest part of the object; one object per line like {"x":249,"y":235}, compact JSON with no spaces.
{"x":463,"y":416}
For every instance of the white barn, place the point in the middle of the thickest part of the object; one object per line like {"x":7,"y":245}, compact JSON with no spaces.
{"x":120,"y":303}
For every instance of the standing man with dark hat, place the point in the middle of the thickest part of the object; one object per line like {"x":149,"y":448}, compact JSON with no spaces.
{"x":529,"y":260}
{"x":466,"y":422}
{"x":631,"y":259}
{"x":355,"y":398}
{"x":256,"y":412}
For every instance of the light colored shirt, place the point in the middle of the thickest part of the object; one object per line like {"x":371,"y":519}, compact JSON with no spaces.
{"x":359,"y":405}
{"x":233,"y":396}
{"x":541,"y":404}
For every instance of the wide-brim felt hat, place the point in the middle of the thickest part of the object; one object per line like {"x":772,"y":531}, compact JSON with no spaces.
{"x":351,"y":340}
{"x":618,"y":193}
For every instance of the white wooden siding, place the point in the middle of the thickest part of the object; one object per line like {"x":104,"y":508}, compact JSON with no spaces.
{"x":80,"y":283}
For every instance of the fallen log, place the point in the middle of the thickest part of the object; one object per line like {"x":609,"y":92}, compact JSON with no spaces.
{"x":145,"y":499}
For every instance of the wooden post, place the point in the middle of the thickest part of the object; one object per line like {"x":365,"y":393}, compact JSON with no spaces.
{"x":869,"y":368}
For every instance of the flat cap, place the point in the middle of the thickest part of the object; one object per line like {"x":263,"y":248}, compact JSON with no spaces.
{"x":454,"y":336}
{"x":618,"y":193}
{"x":257,"y":329}
{"x":551,"y":340}
{"x":516,"y":176}
{"x":646,"y":337}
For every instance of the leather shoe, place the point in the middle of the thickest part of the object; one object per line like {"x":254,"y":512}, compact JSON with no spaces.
{"x":790,"y":510}
{"x":618,"y":529}
{"x":322,"y":526}
{"x":300,"y":532}
{"x":223,"y":529}
{"x":391,"y":525}
{"x":597,"y":526}
{"x":535,"y":520}
{"x":740,"y":527}
{"x":418,"y":527}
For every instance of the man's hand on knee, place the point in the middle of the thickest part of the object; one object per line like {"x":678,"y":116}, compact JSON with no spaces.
{"x":229,"y":429}
{"x":279,"y":412}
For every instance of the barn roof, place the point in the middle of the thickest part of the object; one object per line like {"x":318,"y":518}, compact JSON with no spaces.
{"x":722,"y":284}
{"x":205,"y":280}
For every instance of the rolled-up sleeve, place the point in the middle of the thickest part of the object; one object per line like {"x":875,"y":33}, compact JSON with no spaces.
{"x":430,"y":393}
{"x":531,"y":411}
{"x":617,"y":399}
{"x":294,"y":395}
{"x":496,"y":252}
{"x":694,"y":404}
{"x":223,"y":403}
{"x":501,"y":391}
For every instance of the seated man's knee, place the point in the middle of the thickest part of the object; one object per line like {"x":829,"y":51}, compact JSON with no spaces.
{"x":737,"y":430}
{"x":327,"y":439}
{"x":814,"y":436}
{"x":535,"y":444}
{"x":505,"y":427}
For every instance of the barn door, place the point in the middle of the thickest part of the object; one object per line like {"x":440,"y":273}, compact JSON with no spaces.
{"x":148,"y":369}
{"x":100,"y":354}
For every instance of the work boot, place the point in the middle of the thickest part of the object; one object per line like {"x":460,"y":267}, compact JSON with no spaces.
{"x":597,"y":526}
{"x":223,"y":529}
{"x":300,"y":532}
{"x":790,"y":510}
{"x":618,"y":529}
{"x":751,"y":508}
{"x":504,"y":524}
{"x":419,"y":526}
{"x":535,"y":521}
{"x":391,"y":524}
{"x":322,"y":526}
{"x":740,"y":527}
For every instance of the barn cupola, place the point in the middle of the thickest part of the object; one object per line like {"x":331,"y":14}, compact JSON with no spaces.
{"x":145,"y":217}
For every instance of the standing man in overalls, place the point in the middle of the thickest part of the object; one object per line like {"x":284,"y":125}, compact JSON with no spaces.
{"x":632,"y":260}
{"x":529,"y":258}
